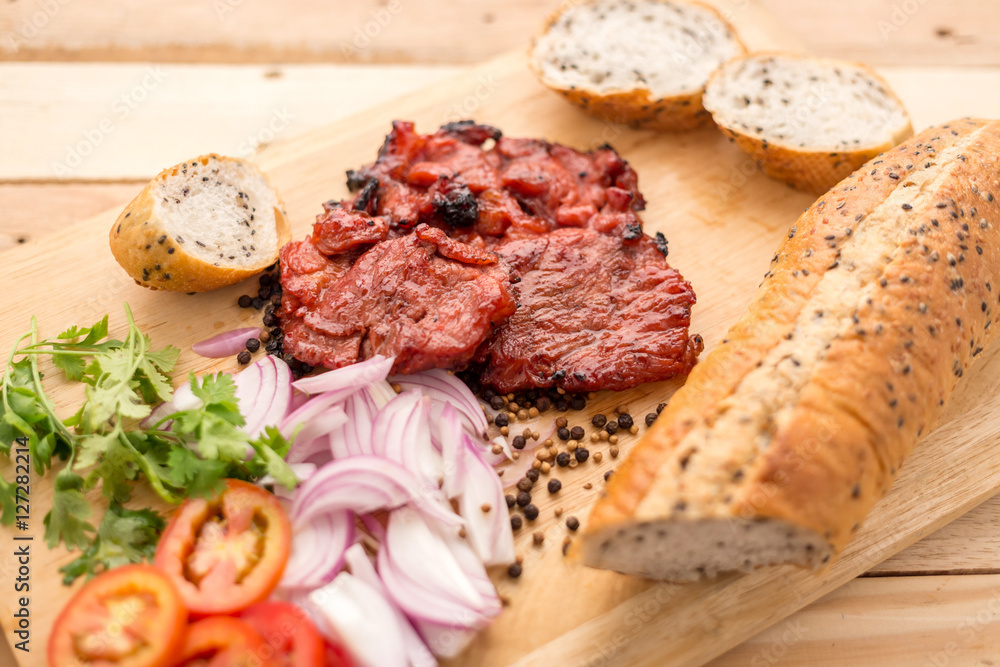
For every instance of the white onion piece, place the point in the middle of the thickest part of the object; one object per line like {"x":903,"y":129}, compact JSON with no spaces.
{"x":489,"y":532}
{"x":381,"y":392}
{"x":445,"y":641}
{"x":314,"y":436}
{"x":361,"y":567}
{"x":225,"y":344}
{"x":430,"y":575}
{"x":318,"y":547}
{"x":444,"y":387}
{"x":357,"y":616}
{"x":352,"y":377}
{"x":364,"y":484}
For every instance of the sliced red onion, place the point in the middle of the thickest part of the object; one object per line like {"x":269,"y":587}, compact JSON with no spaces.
{"x":318,"y":547}
{"x":314,"y":438}
{"x":273,"y":399}
{"x":381,"y":393}
{"x":444,"y":387}
{"x":489,"y":533}
{"x":402,"y":433}
{"x":360,"y":618}
{"x":433,"y":575}
{"x":354,"y":376}
{"x":365,"y":484}
{"x":356,"y":437}
{"x":448,"y":433}
{"x":361,"y":567}
{"x":225,"y":344}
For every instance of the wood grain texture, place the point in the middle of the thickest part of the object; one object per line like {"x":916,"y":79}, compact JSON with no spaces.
{"x":722,"y":231}
{"x":447,"y":31}
{"x":74,"y":122}
{"x":920,"y":621}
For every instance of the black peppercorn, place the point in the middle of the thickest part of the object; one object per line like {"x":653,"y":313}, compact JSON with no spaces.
{"x":543,"y":403}
{"x":563,"y":433}
{"x":257,"y":302}
{"x":524,"y":484}
{"x":554,"y":485}
{"x":518,"y":442}
{"x":243,"y":357}
{"x":532,"y":475}
{"x":562,"y":459}
{"x":496,"y":403}
{"x":611,"y":427}
{"x":501,"y":419}
{"x":599,"y":420}
{"x":511,"y":501}
{"x":608,"y":475}
{"x":514,"y":571}
{"x":578,"y":402}
{"x":253,"y":344}
{"x":487,"y":394}
{"x":581,"y":454}
{"x":650,"y":418}
{"x":515,"y":522}
{"x":276,"y":299}
{"x":562,"y":405}
{"x":265,"y":279}
{"x":270,"y":320}
{"x":659,"y":408}
{"x":530,"y":512}
{"x":576,"y":433}
{"x":625,"y":420}
{"x":572,"y":523}
{"x":523,"y":499}
{"x":245,"y":301}
{"x":264,"y":293}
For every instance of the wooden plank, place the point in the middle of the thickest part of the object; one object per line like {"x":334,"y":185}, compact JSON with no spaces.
{"x":932,"y":621}
{"x":83,"y":122}
{"x":33,"y":210}
{"x":585,"y":611}
{"x":447,"y":31}
{"x":896,"y":32}
{"x":54,"y":112}
{"x":968,"y":545}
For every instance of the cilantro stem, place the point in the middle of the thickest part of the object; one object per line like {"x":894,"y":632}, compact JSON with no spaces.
{"x":7,"y":369}
{"x":40,"y":390}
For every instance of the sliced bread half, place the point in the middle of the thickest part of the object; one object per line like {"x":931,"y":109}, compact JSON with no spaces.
{"x":806,"y":121}
{"x":640,"y":62}
{"x":199,"y":225}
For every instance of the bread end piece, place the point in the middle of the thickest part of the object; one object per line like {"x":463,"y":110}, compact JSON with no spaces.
{"x":200,"y":225}
{"x":787,"y":129}
{"x":631,"y":86}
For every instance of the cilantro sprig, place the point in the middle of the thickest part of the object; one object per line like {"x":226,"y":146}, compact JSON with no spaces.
{"x":186,"y":454}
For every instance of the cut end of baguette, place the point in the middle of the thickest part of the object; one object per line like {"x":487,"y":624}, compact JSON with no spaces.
{"x":807,"y":121}
{"x":643,"y":63}
{"x":686,"y":551}
{"x":200,"y":225}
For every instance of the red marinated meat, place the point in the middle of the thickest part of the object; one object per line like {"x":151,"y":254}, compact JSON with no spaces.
{"x":423,"y":298}
{"x":409,"y":267}
{"x":594,"y":312}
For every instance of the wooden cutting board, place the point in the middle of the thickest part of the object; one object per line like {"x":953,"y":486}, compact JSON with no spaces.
{"x":723,"y":220}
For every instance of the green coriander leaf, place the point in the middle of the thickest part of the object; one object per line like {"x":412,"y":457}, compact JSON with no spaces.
{"x":93,"y":333}
{"x":124,"y":536}
{"x":117,"y":469}
{"x":154,"y":383}
{"x":8,"y":501}
{"x":106,"y":401}
{"x":66,"y":521}
{"x":90,"y":447}
{"x":74,"y":367}
{"x":198,"y":478}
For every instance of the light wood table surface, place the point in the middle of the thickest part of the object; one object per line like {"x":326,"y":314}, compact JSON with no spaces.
{"x":95,"y":98}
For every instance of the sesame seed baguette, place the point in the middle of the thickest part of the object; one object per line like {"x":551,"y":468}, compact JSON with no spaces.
{"x":787,"y":434}
{"x":806,"y":121}
{"x":638,"y":62}
{"x":200,"y":225}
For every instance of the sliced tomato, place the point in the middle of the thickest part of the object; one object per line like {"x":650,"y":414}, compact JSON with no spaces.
{"x":224,"y":641}
{"x":289,"y":631}
{"x":132,"y":616}
{"x":226,"y":553}
{"x":337,"y":656}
